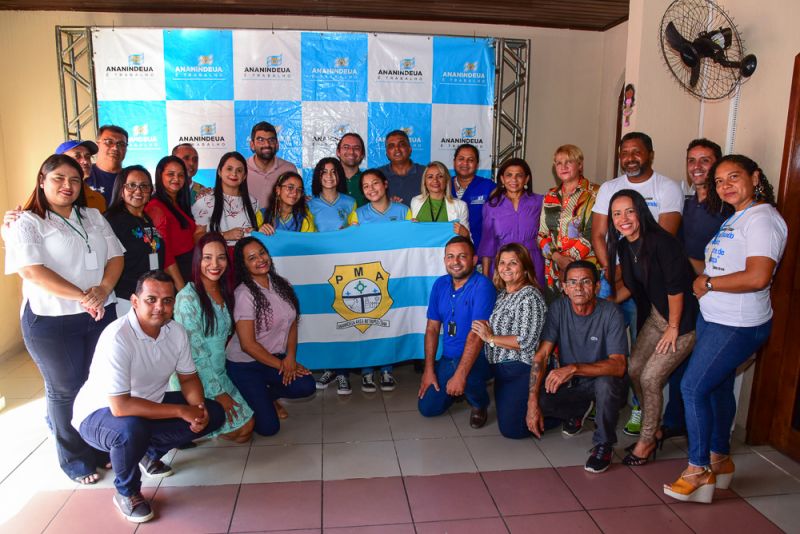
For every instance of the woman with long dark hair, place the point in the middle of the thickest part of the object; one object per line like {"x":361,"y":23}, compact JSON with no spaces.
{"x":330,"y":205}
{"x":735,"y":319}
{"x":144,"y":246}
{"x":69,"y":260}
{"x":656,"y":272}
{"x":170,"y":211}
{"x":287,"y":209}
{"x":205,"y":309}
{"x":511,"y":215}
{"x":262,"y":354}
{"x":229,"y":208}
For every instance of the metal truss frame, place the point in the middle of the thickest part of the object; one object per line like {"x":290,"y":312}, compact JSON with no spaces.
{"x":76,"y":78}
{"x":512,"y":89}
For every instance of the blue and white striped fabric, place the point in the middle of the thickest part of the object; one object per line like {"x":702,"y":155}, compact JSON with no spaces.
{"x":363,"y":290}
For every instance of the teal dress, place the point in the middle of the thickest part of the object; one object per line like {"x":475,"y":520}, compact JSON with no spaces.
{"x":208,"y":353}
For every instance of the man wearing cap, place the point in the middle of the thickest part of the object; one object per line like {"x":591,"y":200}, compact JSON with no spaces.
{"x":264,"y":166}
{"x":112,"y":142}
{"x":82,"y":152}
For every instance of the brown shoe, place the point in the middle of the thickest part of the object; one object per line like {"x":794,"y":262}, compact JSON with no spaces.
{"x":477,"y":417}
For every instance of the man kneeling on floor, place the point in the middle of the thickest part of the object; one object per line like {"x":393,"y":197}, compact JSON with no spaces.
{"x":592,"y":345}
{"x":124,"y":407}
{"x":461,"y":296}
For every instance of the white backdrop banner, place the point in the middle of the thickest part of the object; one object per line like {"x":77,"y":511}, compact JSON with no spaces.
{"x":209,"y":87}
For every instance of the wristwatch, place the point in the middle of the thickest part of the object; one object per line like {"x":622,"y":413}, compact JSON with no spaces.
{"x":491,"y":342}
{"x":708,"y":283}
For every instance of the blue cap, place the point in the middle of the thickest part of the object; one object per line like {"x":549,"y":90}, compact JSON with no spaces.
{"x":69,"y":145}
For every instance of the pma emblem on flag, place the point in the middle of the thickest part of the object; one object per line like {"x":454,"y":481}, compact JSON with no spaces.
{"x":361,"y":295}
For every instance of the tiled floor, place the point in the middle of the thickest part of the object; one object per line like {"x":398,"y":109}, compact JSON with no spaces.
{"x":372,"y":464}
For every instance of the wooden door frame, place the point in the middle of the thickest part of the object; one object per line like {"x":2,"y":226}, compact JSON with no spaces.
{"x":778,"y":368}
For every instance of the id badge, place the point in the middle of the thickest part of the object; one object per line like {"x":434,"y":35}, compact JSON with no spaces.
{"x":91,"y":260}
{"x":451,"y":328}
{"x":153,"y":257}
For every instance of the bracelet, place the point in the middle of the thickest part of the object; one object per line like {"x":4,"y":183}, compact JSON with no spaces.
{"x":672,"y":326}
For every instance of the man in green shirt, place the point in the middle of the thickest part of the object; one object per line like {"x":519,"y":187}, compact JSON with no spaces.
{"x":350,"y":152}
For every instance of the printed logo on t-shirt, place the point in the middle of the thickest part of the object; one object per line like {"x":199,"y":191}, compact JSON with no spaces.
{"x":594,"y":338}
{"x":478,"y":200}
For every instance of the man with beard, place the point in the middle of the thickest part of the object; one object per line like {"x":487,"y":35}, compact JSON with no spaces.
{"x":350,"y":152}
{"x":457,"y":298}
{"x":113,"y":144}
{"x":665,"y":200}
{"x":265,"y":167}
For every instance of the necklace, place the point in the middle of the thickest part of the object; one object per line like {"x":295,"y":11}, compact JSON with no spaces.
{"x":635,"y":250}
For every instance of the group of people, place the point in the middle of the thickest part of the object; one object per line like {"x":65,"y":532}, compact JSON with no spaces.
{"x":581,"y":290}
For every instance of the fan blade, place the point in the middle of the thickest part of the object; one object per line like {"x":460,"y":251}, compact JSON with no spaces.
{"x":674,"y":38}
{"x":695,"y":75}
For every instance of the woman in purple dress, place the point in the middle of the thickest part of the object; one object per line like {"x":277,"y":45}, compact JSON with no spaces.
{"x":512,"y":216}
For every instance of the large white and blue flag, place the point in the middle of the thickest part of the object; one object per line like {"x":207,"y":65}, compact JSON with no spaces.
{"x":363,"y":290}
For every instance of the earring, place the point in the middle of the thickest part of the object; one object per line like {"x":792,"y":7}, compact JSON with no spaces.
{"x":759,"y":191}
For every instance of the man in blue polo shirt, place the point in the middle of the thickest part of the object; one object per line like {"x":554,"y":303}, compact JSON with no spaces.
{"x":457,"y":299}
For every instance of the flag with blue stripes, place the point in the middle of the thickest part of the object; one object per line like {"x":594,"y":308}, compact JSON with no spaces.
{"x":363,"y":290}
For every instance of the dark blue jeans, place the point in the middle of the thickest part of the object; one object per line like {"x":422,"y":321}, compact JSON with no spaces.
{"x":511,"y":381}
{"x":62,"y":347}
{"x":707,"y":386}
{"x":435,"y":403}
{"x":674,"y":414}
{"x":570,"y":401}
{"x":131,"y":438}
{"x":261,"y":385}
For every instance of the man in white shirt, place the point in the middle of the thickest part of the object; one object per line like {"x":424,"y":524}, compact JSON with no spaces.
{"x":124,"y":407}
{"x":664,"y":197}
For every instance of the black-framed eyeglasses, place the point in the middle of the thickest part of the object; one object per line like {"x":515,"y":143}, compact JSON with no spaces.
{"x":143,"y":187}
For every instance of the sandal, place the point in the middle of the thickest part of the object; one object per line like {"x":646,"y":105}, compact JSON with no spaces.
{"x":686,"y":491}
{"x":87,"y":480}
{"x":723,"y":470}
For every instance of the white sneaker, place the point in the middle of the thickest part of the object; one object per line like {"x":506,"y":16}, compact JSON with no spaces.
{"x":343,"y":385}
{"x":325,"y":380}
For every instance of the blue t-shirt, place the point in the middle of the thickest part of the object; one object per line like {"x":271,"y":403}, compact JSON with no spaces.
{"x":102,"y":182}
{"x":331,"y":217}
{"x":472,"y":301}
{"x":395,"y":212}
{"x":406,"y":186}
{"x":698,"y":227}
{"x":475,"y":196}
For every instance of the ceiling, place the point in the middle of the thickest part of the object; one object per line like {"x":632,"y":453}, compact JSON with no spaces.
{"x":596,"y":15}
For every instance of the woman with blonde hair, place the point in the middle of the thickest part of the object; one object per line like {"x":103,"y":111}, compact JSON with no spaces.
{"x":435,"y":203}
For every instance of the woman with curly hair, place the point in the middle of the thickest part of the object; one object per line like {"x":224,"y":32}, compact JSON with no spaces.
{"x":262,"y":354}
{"x":287,"y":209}
{"x":735,"y":319}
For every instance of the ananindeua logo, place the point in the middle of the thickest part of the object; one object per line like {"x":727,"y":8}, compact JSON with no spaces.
{"x":135,"y":68}
{"x":406,"y":71}
{"x":204,"y":70}
{"x":272,"y":69}
{"x":361,"y":295}
{"x":208,"y":137}
{"x":470,"y":75}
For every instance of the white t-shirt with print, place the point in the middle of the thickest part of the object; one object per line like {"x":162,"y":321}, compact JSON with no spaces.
{"x":757,"y":231}
{"x":662,"y":194}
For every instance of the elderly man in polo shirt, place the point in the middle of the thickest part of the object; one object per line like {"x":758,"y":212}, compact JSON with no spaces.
{"x":458,"y":298}
{"x":124,"y":407}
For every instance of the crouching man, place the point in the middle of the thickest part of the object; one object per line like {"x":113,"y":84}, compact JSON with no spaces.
{"x":124,"y":407}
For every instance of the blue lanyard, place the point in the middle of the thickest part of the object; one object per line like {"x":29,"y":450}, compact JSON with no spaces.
{"x":728,"y":222}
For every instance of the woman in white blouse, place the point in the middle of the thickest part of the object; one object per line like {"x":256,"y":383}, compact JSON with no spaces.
{"x":228,"y":208}
{"x":69,"y":260}
{"x":435,"y":203}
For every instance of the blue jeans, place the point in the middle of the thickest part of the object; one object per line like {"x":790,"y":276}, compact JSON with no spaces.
{"x":261,"y":385}
{"x":62,"y":347}
{"x":130,"y":438}
{"x":674,"y":414}
{"x":707,"y":386}
{"x":511,"y":380}
{"x":435,"y":403}
{"x":369,"y":370}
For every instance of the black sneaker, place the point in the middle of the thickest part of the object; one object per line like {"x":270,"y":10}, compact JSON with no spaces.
{"x":574,"y":425}
{"x":154,"y":468}
{"x":368,"y":383}
{"x":600,"y":458}
{"x":387,"y":381}
{"x":135,"y":508}
{"x":325,"y":380}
